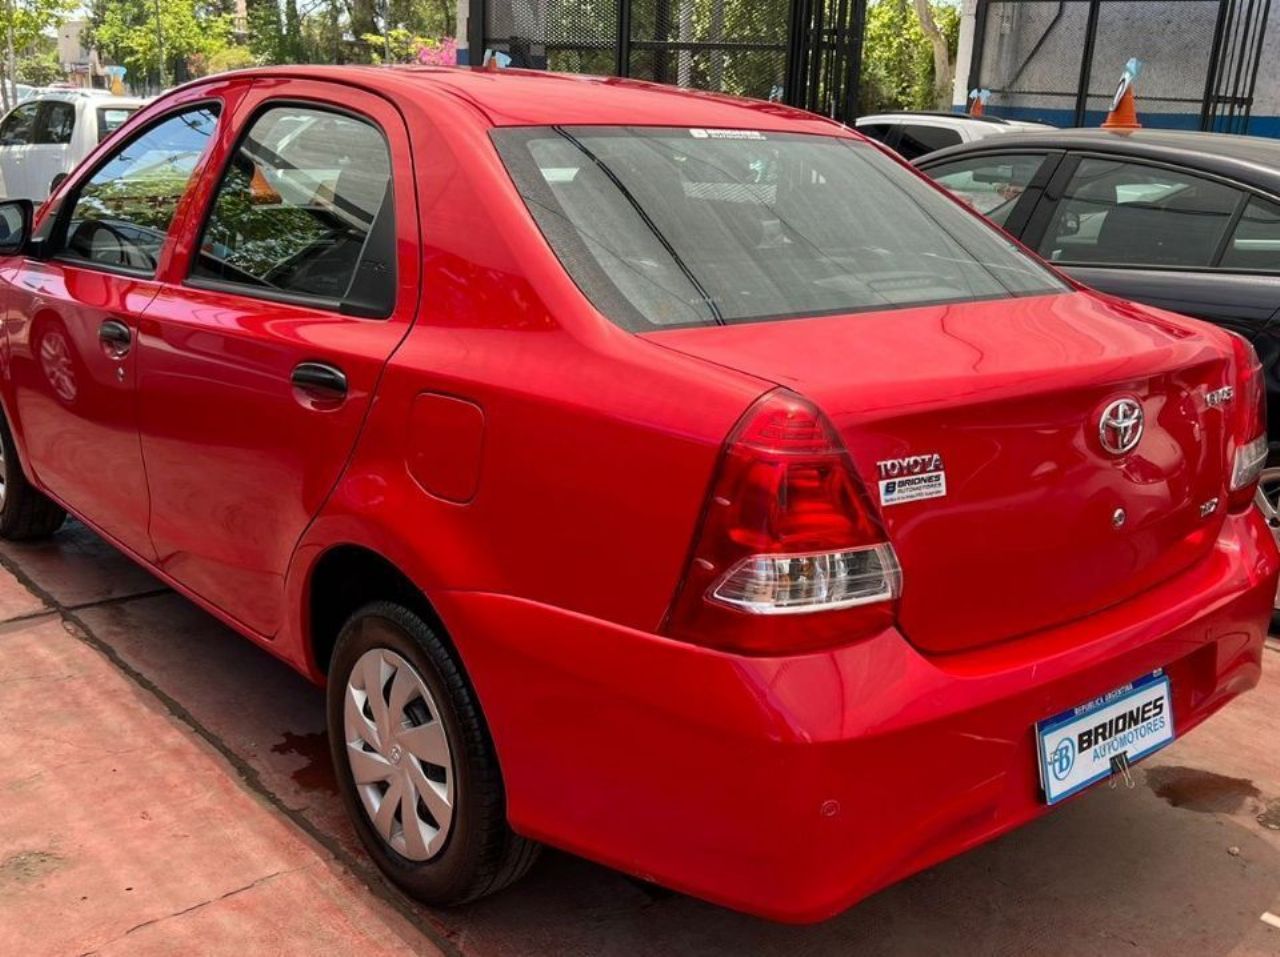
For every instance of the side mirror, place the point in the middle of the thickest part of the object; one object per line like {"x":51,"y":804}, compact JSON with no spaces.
{"x":15,"y":226}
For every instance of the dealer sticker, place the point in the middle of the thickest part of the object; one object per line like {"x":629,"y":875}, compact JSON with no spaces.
{"x":699,"y":133}
{"x":912,"y":478}
{"x":1091,"y":742}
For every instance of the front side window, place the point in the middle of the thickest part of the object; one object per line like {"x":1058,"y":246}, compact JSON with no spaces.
{"x":19,"y":126}
{"x":1115,"y":213}
{"x":671,"y":227}
{"x":297,"y":204}
{"x":122,"y":214}
{"x":1255,"y":245}
{"x":111,"y":118}
{"x":56,"y":122}
{"x":918,"y":140}
{"x":990,"y":184}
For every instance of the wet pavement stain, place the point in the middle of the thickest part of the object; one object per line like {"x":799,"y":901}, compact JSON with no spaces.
{"x":27,"y":866}
{"x":1203,"y":791}
{"x":317,"y":773}
{"x":1270,"y":817}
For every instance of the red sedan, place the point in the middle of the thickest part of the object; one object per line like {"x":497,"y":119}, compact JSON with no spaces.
{"x":673,"y":479}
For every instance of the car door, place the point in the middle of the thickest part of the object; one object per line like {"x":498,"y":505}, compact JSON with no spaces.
{"x":1152,"y":233}
{"x":50,"y":149}
{"x":260,"y":358}
{"x":1002,"y":185}
{"x":16,"y":135}
{"x":74,"y":316}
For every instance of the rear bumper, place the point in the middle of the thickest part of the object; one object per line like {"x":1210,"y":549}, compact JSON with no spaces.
{"x":793,"y":787}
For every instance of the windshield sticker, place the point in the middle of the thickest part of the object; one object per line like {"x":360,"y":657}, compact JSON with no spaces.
{"x":698,"y":133}
{"x":911,"y":479}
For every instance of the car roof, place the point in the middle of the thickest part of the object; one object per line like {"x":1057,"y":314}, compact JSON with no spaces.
{"x":511,"y":97}
{"x":1251,"y":159}
{"x":907,"y":115}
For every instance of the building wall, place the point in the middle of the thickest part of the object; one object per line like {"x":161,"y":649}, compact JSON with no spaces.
{"x":1174,"y":41}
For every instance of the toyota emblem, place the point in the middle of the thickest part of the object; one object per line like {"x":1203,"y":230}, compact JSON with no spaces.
{"x":1120,"y":428}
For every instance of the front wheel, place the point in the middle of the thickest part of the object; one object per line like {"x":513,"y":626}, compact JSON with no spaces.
{"x":25,"y":513}
{"x":414,"y":761}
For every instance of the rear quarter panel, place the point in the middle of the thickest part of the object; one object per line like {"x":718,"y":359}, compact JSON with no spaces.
{"x":597,"y":446}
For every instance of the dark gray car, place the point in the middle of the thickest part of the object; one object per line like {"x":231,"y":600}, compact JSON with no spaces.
{"x":1186,"y":221}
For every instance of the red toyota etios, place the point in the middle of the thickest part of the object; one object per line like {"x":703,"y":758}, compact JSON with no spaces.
{"x":673,"y":479}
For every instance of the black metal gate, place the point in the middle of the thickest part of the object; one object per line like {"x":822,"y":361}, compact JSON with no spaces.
{"x":1233,"y":75}
{"x":1060,"y":60}
{"x":802,"y":52}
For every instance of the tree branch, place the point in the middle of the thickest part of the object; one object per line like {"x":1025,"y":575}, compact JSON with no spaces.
{"x":942,"y":68}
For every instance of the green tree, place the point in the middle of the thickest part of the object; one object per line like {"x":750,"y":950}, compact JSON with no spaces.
{"x":231,"y":58}
{"x":899,"y":63}
{"x":155,"y":41}
{"x":39,"y":69}
{"x":25,"y":26}
{"x":397,"y":45}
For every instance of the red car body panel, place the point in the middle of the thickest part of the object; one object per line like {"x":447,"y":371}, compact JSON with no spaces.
{"x":539,"y":474}
{"x":794,"y":787}
{"x":229,"y":503}
{"x":999,"y":391}
{"x":81,"y":420}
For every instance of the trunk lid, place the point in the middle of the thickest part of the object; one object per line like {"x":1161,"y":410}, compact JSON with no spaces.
{"x":1009,"y":395}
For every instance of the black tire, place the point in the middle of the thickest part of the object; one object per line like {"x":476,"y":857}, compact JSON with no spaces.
{"x":27,"y":513}
{"x":481,"y":854}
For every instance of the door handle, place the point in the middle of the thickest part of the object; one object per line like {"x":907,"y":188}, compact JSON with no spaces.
{"x":320,"y":380}
{"x":116,"y":338}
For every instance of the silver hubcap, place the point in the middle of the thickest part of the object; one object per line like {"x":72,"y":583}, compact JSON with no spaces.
{"x":399,"y":754}
{"x":1268,"y":499}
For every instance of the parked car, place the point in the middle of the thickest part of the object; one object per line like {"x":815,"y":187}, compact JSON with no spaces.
{"x":675,"y":480}
{"x":914,"y":134}
{"x":45,"y":136}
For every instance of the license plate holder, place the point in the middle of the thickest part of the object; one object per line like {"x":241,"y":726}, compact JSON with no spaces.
{"x":1088,"y":743}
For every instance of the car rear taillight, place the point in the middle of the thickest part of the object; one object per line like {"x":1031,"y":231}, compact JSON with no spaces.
{"x":1248,"y":426}
{"x":790,"y":555}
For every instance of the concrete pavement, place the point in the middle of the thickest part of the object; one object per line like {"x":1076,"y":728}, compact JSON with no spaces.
{"x":164,"y":787}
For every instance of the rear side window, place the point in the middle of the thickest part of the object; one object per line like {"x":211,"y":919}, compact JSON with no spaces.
{"x":297,"y":205}
{"x":19,"y":126}
{"x":1115,"y":213}
{"x":1255,"y":245}
{"x":56,"y":122}
{"x":990,"y":184}
{"x":876,"y":131}
{"x":121,"y":216}
{"x":111,"y":118}
{"x":670,"y":227}
{"x":918,"y":140}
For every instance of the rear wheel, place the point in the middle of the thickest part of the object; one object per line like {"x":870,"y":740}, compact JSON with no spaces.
{"x":25,"y":513}
{"x":415,"y":763}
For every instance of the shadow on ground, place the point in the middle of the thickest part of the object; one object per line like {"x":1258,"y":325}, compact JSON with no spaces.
{"x":1184,"y":862}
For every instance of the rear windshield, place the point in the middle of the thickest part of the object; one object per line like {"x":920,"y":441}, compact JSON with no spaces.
{"x":682,"y":227}
{"x":111,"y":118}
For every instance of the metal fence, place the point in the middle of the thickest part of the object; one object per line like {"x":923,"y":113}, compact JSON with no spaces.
{"x":1060,"y":60}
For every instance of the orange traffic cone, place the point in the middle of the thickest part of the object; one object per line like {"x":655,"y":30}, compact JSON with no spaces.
{"x":1124,"y":114}
{"x":262,"y":192}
